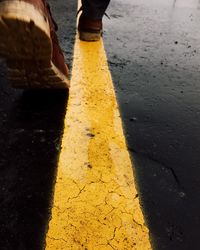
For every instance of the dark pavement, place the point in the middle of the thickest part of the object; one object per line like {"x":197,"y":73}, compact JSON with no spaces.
{"x":153,"y":52}
{"x":31,"y":127}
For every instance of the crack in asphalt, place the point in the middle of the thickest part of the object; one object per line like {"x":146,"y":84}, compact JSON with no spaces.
{"x":170,"y":169}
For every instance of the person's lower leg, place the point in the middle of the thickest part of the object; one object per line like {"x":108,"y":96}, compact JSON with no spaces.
{"x":94,"y":9}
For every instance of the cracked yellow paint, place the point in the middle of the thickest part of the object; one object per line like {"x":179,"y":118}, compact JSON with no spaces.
{"x":96,"y":206}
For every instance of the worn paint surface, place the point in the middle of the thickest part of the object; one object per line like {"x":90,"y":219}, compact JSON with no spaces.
{"x":154,"y":54}
{"x":96,"y":205}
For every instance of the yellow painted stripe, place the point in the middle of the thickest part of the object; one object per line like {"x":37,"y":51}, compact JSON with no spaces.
{"x":96,"y":205}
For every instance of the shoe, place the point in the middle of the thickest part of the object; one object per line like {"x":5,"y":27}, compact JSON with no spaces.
{"x":89,"y":30}
{"x":29,"y":43}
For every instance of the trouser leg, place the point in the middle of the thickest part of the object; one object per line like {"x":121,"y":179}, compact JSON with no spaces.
{"x":94,"y":9}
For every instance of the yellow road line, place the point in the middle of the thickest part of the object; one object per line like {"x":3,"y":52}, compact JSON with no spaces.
{"x":96,"y":205}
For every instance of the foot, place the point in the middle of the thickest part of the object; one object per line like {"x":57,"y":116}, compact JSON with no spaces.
{"x":30,"y":46}
{"x":89,"y":30}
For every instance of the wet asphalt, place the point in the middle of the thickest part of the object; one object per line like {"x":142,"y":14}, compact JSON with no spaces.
{"x":31,"y":127}
{"x":153,"y":50}
{"x":154,"y":57}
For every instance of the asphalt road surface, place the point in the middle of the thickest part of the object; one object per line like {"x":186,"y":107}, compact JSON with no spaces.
{"x":153,"y":53}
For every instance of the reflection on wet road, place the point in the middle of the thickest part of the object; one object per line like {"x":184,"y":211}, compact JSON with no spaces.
{"x":154,"y":55}
{"x":31,"y":128}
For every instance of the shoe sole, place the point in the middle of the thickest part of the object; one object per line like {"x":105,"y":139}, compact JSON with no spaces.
{"x":25,"y":43}
{"x":90,"y":36}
